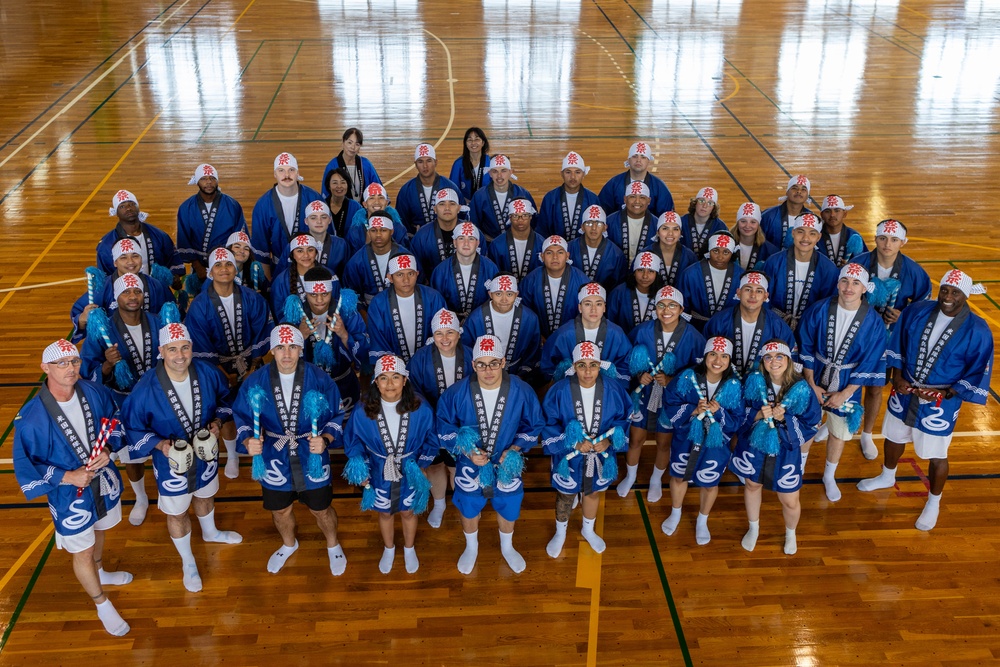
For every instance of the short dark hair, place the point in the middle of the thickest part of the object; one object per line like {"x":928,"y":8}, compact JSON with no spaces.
{"x":358,"y":136}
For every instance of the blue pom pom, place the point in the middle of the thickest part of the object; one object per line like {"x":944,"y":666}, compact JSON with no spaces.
{"x":292,"y":311}
{"x":170,"y":313}
{"x":323,"y":354}
{"x":715,"y":438}
{"x":356,"y":471}
{"x":348,"y":302}
{"x":618,"y":442}
{"x":574,"y":433}
{"x":98,"y":323}
{"x":95,"y":281}
{"x":609,"y":371}
{"x":162,"y":273}
{"x":764,"y":439}
{"x":756,"y":386}
{"x":192,"y":284}
{"x":315,"y":405}
{"x":787,"y":241}
{"x":511,"y":467}
{"x":256,"y":398}
{"x":419,"y":483}
{"x":368,"y":498}
{"x":467,"y":440}
{"x":884,"y":291}
{"x":560,"y":372}
{"x":257,"y":468}
{"x":855,"y":246}
{"x":638,"y":360}
{"x":669,"y":363}
{"x":797,"y":398}
{"x":123,"y":375}
{"x":314,"y":466}
{"x":636,"y":396}
{"x":687,"y":382}
{"x":853,"y":416}
{"x":361,"y":219}
{"x":487,"y":475}
{"x":609,"y":472}
{"x":663,"y":421}
{"x":697,"y":432}
{"x":394,"y":214}
{"x":730,"y":395}
{"x":562,"y":468}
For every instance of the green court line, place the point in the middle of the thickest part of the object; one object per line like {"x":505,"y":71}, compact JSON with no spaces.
{"x":678,"y":630}
{"x":10,"y":426}
{"x":27,"y":592}
{"x":277,"y":90}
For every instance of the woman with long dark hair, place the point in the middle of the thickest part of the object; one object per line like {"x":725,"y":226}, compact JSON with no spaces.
{"x":472,"y":171}
{"x":360,"y":171}
{"x":337,"y":185}
{"x":634,"y":301}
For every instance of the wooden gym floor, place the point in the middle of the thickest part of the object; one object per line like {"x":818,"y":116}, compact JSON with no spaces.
{"x":892,"y":105}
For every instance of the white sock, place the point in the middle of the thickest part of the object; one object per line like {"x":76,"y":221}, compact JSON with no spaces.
{"x":467,"y":561}
{"x":655,"y":485}
{"x":790,"y":545}
{"x":701,"y":534}
{"x":625,"y":485}
{"x":555,"y":545}
{"x":593,"y":539}
{"x":868,"y":448}
{"x":750,"y":539}
{"x":385,"y":563}
{"x":670,"y":524}
{"x":192,"y":580}
{"x":232,"y":459}
{"x":112,"y":620}
{"x":576,"y":501}
{"x":509,"y":553}
{"x":928,"y":518}
{"x":805,"y":457}
{"x":822,"y":434}
{"x":437,"y":513}
{"x":210,"y":533}
{"x":830,"y":483}
{"x":410,"y":559}
{"x":138,"y":513}
{"x":119,"y":578}
{"x":278,"y":558}
{"x":884,"y":480}
{"x":338,"y":560}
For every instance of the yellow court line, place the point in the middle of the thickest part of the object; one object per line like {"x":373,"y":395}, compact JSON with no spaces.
{"x":588,"y":575}
{"x":451,"y":98}
{"x":732,"y":94}
{"x":916,"y":12}
{"x":54,"y":282}
{"x":44,"y":535}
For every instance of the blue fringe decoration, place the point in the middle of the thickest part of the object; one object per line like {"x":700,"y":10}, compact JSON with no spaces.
{"x":609,"y":471}
{"x":560,"y":372}
{"x":356,"y":471}
{"x":418,"y":481}
{"x":764,"y":439}
{"x":853,"y":416}
{"x":636,"y":396}
{"x":638,"y":360}
{"x":192,"y":284}
{"x":715,"y":437}
{"x":730,"y":395}
{"x":511,"y":467}
{"x":257,"y":469}
{"x":854,"y":246}
{"x":797,"y":398}
{"x":756,"y":386}
{"x":256,"y":398}
{"x":314,"y":466}
{"x":618,"y":442}
{"x":314,"y":406}
{"x":487,"y":475}
{"x":292,"y":311}
{"x":669,"y":363}
{"x":662,"y":420}
{"x":348,"y":302}
{"x":97,"y":323}
{"x":368,"y":498}
{"x":323,"y":354}
{"x":609,"y":371}
{"x":562,"y":468}
{"x":884,"y":290}
{"x":169,"y":314}
{"x":466,"y":441}
{"x":162,"y":274}
{"x":574,"y":433}
{"x":787,"y":241}
{"x":687,"y":382}
{"x":123,"y":375}
{"x":697,"y":431}
{"x":95,"y":282}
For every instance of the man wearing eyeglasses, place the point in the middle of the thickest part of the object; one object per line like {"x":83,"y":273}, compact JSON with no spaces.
{"x":486,"y":421}
{"x":56,"y":435}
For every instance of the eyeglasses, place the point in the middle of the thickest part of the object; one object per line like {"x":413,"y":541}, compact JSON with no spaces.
{"x":704,"y":201}
{"x":63,"y":364}
{"x":482,"y":365}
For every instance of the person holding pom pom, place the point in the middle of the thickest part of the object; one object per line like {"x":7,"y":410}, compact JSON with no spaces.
{"x":586,"y":418}
{"x":389,"y":442}
{"x":781,"y":417}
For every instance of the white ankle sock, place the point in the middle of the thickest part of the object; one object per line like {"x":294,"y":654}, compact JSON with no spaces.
{"x":830,"y":482}
{"x":112,"y":620}
{"x":467,"y":561}
{"x":514,"y":559}
{"x":790,"y":545}
{"x":593,"y":539}
{"x":750,"y":539}
{"x":868,"y":448}
{"x":805,"y":457}
{"x":278,"y":558}
{"x":119,"y":578}
{"x":138,"y":513}
{"x":929,"y":515}
{"x":385,"y":563}
{"x":437,"y":513}
{"x":655,"y":485}
{"x":232,"y":459}
{"x":884,"y":480}
{"x":555,"y":545}
{"x":410,"y":559}
{"x":192,"y":580}
{"x":670,"y":524}
{"x":822,"y":434}
{"x":701,"y":534}
{"x":338,"y":560}
{"x":625,"y":485}
{"x":210,"y":533}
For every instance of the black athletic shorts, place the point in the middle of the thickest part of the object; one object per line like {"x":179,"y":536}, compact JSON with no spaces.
{"x":315,"y":499}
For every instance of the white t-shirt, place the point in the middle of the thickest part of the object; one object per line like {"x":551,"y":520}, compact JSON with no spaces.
{"x":590,"y":334}
{"x":776,"y":388}
{"x":502,"y":324}
{"x":940,"y":324}
{"x":745,"y":252}
{"x":288,"y":205}
{"x":501,"y":199}
{"x":352,"y":171}
{"x":712,"y":386}
{"x":835,"y":240}
{"x":634,"y":233}
{"x":227,"y":305}
{"x":74,"y":413}
{"x":748,"y":331}
{"x":448,"y":366}
{"x":382,"y":261}
{"x":667,"y":335}
{"x":287,"y":386}
{"x":718,"y":281}
{"x":428,"y":189}
{"x":643,"y":300}
{"x":183,"y":389}
{"x":136,"y":333}
{"x":408,"y":318}
{"x":140,"y":241}
{"x":391,"y":419}
{"x":884,"y":272}
{"x":571,"y":202}
{"x":801,"y":273}
{"x":466,"y":270}
{"x":844,"y":319}
{"x":490,"y":397}
{"x":320,"y":322}
{"x":587,"y":396}
{"x":590,"y":254}
{"x":553,"y":290}
{"x":519,"y":248}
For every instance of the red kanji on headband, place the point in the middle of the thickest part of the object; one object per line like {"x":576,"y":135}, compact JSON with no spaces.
{"x":708,"y":193}
{"x":403,"y":262}
{"x":221,"y":254}
{"x":126,"y":245}
{"x":207,"y":170}
{"x":319,"y":287}
{"x":587,"y":350}
{"x":954,"y":277}
{"x":65,"y":345}
{"x":519,"y":206}
{"x":753,"y":278}
{"x":890,"y":226}
{"x":572,"y":158}
{"x":446,"y":318}
{"x":722,"y":241}
{"x":283,"y":159}
{"x":375,"y":189}
{"x":302,"y":240}
{"x":505,"y":284}
{"x":801,"y":180}
{"x":593,"y":289}
{"x":316,"y":206}
{"x":748,"y":209}
{"x":640,"y":148}
{"x":636,"y":188}
{"x":467,"y":229}
{"x":285,"y":335}
{"x":176,"y":331}
{"x":832,"y":201}
{"x":719,"y":344}
{"x":130,"y":280}
{"x":388,"y":364}
{"x":645,"y":260}
{"x":424,"y":150}
{"x":121,"y":195}
{"x":854,"y":270}
{"x":771,"y":347}
{"x":594,"y":212}
{"x":241,"y":237}
{"x":441,"y":194}
{"x":486,"y":345}
{"x":499,"y":161}
{"x":808,"y":220}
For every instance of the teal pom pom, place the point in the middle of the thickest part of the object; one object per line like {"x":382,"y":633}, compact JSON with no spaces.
{"x":314,"y":466}
{"x":421,"y":486}
{"x":257,"y":469}
{"x":487,"y":475}
{"x":687,"y":382}
{"x":348,"y":302}
{"x":123,"y":375}
{"x":315,"y":405}
{"x":636,"y":396}
{"x":98,"y":323}
{"x":797,"y":398}
{"x":511,"y":467}
{"x":323,"y":354}
{"x":562,"y":468}
{"x":755,"y":386}
{"x":609,"y":371}
{"x":192,"y":284}
{"x":361,"y":219}
{"x":356,"y":471}
{"x":467,"y":440}
{"x":715,"y":438}
{"x":368,"y":498}
{"x":170,"y":313}
{"x":292,"y":311}
{"x":638,"y":360}
{"x":560,"y":372}
{"x":95,"y":282}
{"x":609,"y":471}
{"x":256,"y":398}
{"x":764,"y":439}
{"x":394,"y":214}
{"x":663,"y":421}
{"x":618,"y":442}
{"x":669,"y":363}
{"x":162,"y":274}
{"x":574,"y":434}
{"x":697,"y":432}
{"x":855,"y":246}
{"x":853,"y":416}
{"x":730,"y":395}
{"x":884,"y":291}
{"x":787,"y":241}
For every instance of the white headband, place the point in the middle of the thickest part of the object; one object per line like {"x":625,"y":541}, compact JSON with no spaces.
{"x":719,"y":344}
{"x":121,"y":197}
{"x":59,"y":349}
{"x":285,"y":334}
{"x":574,"y":160}
{"x":127,"y":281}
{"x":201,"y":171}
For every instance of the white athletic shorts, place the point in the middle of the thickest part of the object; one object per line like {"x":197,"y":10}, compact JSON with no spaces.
{"x":177,"y":505}
{"x":925,"y":445}
{"x":74,"y":544}
{"x":838,"y":427}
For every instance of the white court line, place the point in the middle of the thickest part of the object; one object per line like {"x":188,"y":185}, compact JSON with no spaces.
{"x":55,"y":282}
